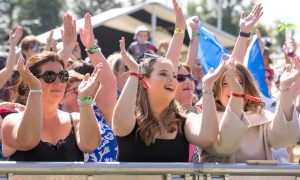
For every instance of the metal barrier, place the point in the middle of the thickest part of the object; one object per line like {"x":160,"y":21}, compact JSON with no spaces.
{"x":145,"y":171}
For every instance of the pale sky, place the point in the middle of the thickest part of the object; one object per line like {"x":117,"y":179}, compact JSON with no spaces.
{"x":284,"y":10}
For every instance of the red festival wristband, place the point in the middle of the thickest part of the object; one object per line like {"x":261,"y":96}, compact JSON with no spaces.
{"x":251,"y":98}
{"x":145,"y":84}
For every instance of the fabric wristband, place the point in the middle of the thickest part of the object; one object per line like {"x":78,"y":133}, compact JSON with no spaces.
{"x":243,"y":34}
{"x":145,"y":84}
{"x":93,"y":49}
{"x":83,"y":100}
{"x":251,"y":98}
{"x":195,"y":34}
{"x":179,"y":31}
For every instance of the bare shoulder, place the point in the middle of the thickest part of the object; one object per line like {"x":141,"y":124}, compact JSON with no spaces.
{"x":66,"y":117}
{"x":13,"y":118}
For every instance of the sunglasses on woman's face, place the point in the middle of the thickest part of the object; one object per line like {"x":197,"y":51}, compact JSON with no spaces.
{"x":182,"y":77}
{"x":50,"y":76}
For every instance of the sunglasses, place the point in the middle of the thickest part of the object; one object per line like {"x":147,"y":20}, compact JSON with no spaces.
{"x":182,"y":77}
{"x":50,"y":76}
{"x":36,"y":47}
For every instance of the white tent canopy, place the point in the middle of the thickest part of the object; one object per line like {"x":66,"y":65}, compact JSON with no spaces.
{"x":109,"y":26}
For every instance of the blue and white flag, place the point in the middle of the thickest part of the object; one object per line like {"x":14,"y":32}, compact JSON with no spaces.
{"x":255,"y":63}
{"x":210,"y":50}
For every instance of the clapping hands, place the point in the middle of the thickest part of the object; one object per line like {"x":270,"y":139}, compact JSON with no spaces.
{"x":27,"y":76}
{"x":89,"y":82}
{"x":213,"y":74}
{"x":290,"y":75}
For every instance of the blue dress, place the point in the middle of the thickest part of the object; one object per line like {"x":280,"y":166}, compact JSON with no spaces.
{"x":107,"y":151}
{"x":2,"y":157}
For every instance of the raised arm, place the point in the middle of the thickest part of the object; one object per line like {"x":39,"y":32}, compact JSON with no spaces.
{"x":193,"y":47}
{"x":284,"y":129}
{"x":176,"y":43}
{"x":7,"y":71}
{"x":287,"y":79}
{"x":289,"y":50}
{"x":106,"y":96}
{"x":295,"y":88}
{"x":202,"y":129}
{"x":124,"y":118}
{"x":233,"y":119}
{"x":87,"y":130}
{"x":22,"y":131}
{"x":246,"y":25}
{"x":69,"y":38}
{"x":49,"y":41}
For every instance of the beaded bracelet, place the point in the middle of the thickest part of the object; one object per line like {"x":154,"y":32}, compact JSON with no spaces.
{"x":285,"y":89}
{"x":207,"y":92}
{"x":35,"y":91}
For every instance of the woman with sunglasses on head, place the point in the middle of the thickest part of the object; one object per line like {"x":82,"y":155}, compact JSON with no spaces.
{"x":247,"y":132}
{"x":43,"y":132}
{"x":150,"y":125}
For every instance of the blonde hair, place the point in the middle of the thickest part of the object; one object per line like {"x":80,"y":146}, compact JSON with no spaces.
{"x":114,"y":61}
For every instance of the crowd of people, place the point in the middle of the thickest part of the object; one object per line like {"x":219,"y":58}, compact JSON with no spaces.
{"x":141,"y":105}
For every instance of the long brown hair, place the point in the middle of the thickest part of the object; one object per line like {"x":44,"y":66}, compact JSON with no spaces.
{"x":172,"y":117}
{"x":249,"y":86}
{"x":21,"y":90}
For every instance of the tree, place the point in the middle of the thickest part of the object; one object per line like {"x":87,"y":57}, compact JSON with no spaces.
{"x":81,"y":7}
{"x":7,"y":8}
{"x":38,"y":15}
{"x":231,"y":10}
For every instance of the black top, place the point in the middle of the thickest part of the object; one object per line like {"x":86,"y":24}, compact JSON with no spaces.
{"x":65,"y":150}
{"x":133,"y":149}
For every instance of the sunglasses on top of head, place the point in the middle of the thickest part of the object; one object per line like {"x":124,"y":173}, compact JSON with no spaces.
{"x":36,"y":47}
{"x":50,"y":76}
{"x":182,"y":77}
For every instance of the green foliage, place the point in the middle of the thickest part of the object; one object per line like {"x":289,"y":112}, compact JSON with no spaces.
{"x":38,"y":15}
{"x":81,"y":7}
{"x":231,"y":10}
{"x":284,"y":26}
